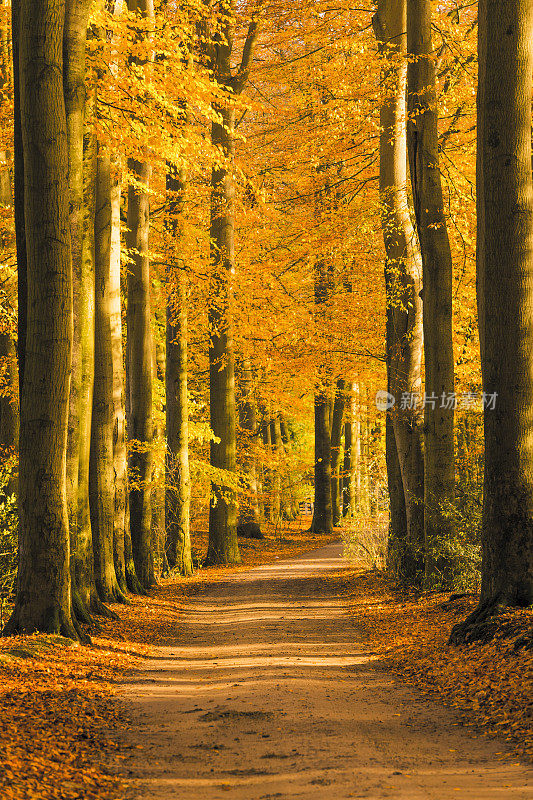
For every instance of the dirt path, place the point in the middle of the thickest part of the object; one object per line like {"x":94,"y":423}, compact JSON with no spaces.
{"x":271,"y":693}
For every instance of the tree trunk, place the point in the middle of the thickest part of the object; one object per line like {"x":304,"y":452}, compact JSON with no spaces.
{"x":80,"y":398}
{"x":43,"y":584}
{"x":18,"y":195}
{"x":403,"y":272}
{"x":178,"y":486}
{"x":101,"y":468}
{"x":422,"y":137}
{"x":223,"y":547}
{"x":505,"y":298}
{"x":119,"y":416}
{"x":9,"y":418}
{"x":399,"y":556}
{"x":82,"y":557}
{"x":364,"y":495}
{"x":323,"y":511}
{"x":289,"y":505}
{"x":336,"y":435}
{"x":248,"y":423}
{"x":139,"y":356}
{"x":277,"y":449}
{"x":267,"y":470}
{"x":352,"y":457}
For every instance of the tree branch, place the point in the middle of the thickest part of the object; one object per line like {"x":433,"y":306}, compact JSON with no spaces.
{"x":239,"y":80}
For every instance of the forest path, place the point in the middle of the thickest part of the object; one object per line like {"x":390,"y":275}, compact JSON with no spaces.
{"x":272,"y":693}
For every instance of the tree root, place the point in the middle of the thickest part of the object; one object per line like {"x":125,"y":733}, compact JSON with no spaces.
{"x":53,"y":621}
{"x":80,"y":611}
{"x":97,"y":607}
{"x":484,"y":623}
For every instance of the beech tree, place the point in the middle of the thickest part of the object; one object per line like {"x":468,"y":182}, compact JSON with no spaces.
{"x":43,"y":585}
{"x":223,"y":547}
{"x":101,"y":467}
{"x":422,"y":138}
{"x":139,"y":356}
{"x":250,"y":428}
{"x":178,"y":485}
{"x":337,"y":421}
{"x":403,"y":281}
{"x":505,"y":299}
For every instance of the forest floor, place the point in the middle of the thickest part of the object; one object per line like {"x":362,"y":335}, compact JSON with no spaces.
{"x":294,"y":679}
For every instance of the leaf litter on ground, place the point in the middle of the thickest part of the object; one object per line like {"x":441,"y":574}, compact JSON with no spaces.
{"x":60,"y":707}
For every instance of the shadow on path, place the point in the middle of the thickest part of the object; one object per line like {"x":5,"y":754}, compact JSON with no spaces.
{"x":272,"y":693}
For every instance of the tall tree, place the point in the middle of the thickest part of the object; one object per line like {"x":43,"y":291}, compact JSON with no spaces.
{"x":505,"y":299}
{"x":352,"y":456}
{"x":81,"y":205}
{"x":249,"y":426}
{"x":178,"y":482}
{"x":277,"y":451}
{"x":9,"y":418}
{"x":323,"y":509}
{"x":43,"y":584}
{"x":403,"y":278}
{"x":139,"y":356}
{"x":337,"y":420}
{"x":223,"y":547}
{"x":123,"y":551}
{"x":101,"y":466}
{"x":422,"y":139}
{"x":18,"y":194}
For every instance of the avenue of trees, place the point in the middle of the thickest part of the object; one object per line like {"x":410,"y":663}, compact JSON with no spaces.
{"x":227,"y":228}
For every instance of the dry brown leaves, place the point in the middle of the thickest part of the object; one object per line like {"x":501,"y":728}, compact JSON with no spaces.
{"x":489,"y":683}
{"x":58,"y":702}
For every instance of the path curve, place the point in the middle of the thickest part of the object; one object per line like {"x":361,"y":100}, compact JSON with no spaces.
{"x":272,"y":693}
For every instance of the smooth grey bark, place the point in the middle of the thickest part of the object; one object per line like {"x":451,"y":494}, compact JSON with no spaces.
{"x":80,"y":397}
{"x":177,"y":481}
{"x":437,"y":279}
{"x":101,"y":464}
{"x":267,"y":469}
{"x":119,"y":413}
{"x":505,"y":300}
{"x":18,"y":196}
{"x":249,"y":427}
{"x":43,"y":599}
{"x":337,"y":420}
{"x":223,"y":546}
{"x":323,"y":510}
{"x":139,"y":356}
{"x":289,"y":505}
{"x":403,"y":282}
{"x":352,"y":456}
{"x":277,"y":451}
{"x":9,"y":416}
